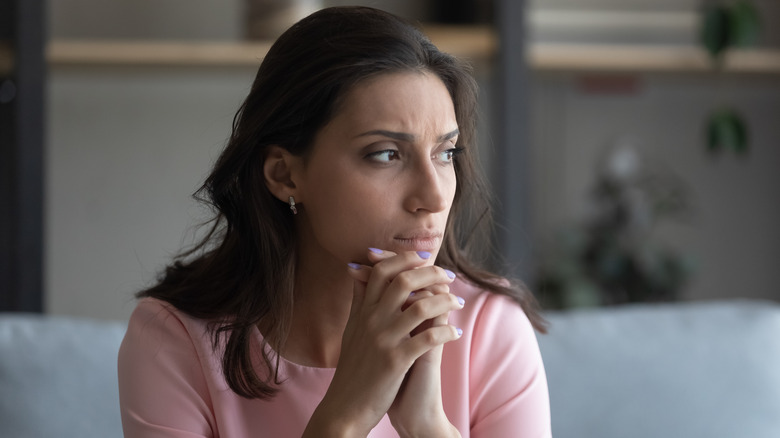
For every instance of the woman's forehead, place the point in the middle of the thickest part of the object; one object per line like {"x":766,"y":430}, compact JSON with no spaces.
{"x":406,"y":100}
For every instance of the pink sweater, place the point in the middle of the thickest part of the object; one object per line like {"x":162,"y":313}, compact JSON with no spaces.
{"x":170,"y":383}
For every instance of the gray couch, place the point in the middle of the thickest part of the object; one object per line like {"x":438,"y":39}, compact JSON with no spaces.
{"x":676,"y":370}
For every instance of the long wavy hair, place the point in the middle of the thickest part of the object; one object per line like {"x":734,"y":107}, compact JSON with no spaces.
{"x":241,"y":273}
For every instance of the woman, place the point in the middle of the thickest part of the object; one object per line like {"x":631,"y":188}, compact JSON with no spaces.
{"x":321,"y":302}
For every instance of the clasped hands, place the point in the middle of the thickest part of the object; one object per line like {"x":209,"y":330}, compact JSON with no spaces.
{"x":391,"y":350}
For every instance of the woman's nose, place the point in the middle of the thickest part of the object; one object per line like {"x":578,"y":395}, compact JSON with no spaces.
{"x":427,"y":189}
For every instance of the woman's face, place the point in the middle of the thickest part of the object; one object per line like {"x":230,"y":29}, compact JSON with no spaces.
{"x":380,"y":173}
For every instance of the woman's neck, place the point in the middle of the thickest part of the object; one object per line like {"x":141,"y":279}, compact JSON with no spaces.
{"x":323,"y":296}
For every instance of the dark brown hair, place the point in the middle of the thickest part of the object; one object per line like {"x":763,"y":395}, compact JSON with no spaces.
{"x":241,"y":273}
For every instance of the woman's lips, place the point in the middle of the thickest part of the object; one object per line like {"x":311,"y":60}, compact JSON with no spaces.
{"x":418,"y":242}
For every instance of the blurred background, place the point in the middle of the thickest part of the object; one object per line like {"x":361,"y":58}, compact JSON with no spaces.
{"x":634,"y":146}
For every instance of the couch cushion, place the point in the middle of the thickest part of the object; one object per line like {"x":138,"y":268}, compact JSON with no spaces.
{"x":709,"y":369}
{"x":58,"y":377}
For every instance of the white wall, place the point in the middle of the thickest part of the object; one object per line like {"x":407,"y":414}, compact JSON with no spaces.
{"x":140,"y":19}
{"x":126,"y":149}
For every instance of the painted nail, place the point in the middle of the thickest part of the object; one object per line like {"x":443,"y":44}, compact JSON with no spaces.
{"x":449,"y":273}
{"x":354,"y":266}
{"x":411,"y":294}
{"x":460,"y":332}
{"x":424,"y":254}
{"x":375,"y":250}
{"x":461,"y":301}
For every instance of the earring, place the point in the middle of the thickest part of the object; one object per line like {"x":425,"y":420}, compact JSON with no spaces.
{"x":292,"y":205}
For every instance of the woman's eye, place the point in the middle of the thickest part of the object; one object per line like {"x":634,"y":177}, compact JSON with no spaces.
{"x":384,"y":156}
{"x":448,"y":155}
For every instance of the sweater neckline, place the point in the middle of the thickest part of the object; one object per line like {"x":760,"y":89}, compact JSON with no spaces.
{"x":287,"y":364}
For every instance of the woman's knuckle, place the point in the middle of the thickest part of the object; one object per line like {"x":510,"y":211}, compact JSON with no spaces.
{"x":380,"y":270}
{"x":438,"y":289}
{"x":429,"y":337}
{"x":419,"y":309}
{"x":404,"y":280}
{"x":424,"y":293}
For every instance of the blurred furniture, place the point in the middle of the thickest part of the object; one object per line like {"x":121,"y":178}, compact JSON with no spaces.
{"x":58,"y":377}
{"x":707,"y":369}
{"x":673,"y":370}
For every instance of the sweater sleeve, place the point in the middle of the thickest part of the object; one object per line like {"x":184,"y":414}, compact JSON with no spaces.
{"x":509,"y":394}
{"x":162,"y":389}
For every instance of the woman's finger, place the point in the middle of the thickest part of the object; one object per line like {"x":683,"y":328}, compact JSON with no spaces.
{"x":387,"y":271}
{"x":375,"y":254}
{"x":433,"y":310}
{"x":439,"y":288}
{"x":416,"y":296}
{"x":362,"y":273}
{"x":358,"y":296}
{"x":399,"y":286}
{"x":434,"y":289}
{"x":359,"y":272}
{"x":430,"y":338}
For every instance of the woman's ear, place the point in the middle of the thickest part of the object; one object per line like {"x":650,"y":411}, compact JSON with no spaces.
{"x":278,"y":169}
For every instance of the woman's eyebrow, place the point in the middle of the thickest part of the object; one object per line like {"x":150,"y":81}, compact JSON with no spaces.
{"x":409,"y":138}
{"x":448,"y":136}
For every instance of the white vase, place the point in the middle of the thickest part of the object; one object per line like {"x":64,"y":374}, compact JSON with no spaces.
{"x":267,"y":19}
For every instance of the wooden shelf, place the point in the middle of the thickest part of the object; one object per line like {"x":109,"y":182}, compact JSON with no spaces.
{"x":647,"y":59}
{"x":470,"y":42}
{"x":473,"y":43}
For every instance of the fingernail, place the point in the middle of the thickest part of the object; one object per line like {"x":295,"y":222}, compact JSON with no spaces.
{"x":424,"y":254}
{"x":354,"y":266}
{"x":449,"y":273}
{"x":460,"y":332}
{"x":375,"y":250}
{"x":461,"y":301}
{"x":411,"y":294}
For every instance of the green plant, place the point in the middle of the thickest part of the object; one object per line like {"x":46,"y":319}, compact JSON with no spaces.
{"x":613,"y":257}
{"x":725,"y":25}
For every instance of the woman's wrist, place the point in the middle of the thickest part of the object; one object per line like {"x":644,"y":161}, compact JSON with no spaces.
{"x":443,"y":429}
{"x":331,"y":430}
{"x":328,"y":423}
{"x":444,"y":432}
{"x":326,"y":429}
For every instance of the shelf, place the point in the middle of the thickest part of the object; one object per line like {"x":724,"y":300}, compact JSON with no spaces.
{"x":583,"y":58}
{"x":473,"y":43}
